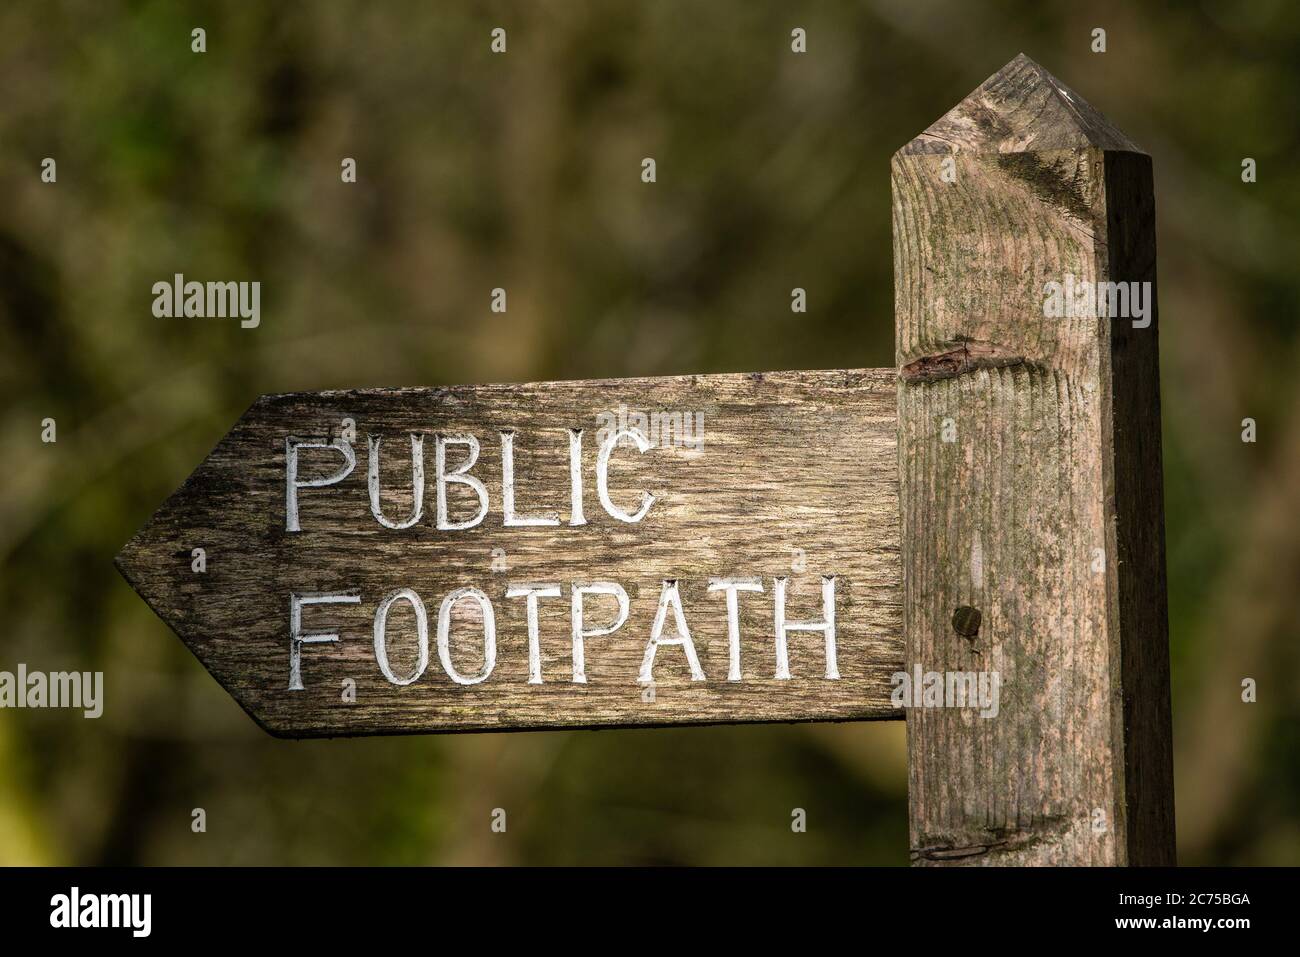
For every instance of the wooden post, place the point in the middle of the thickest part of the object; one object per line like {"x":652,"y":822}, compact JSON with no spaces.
{"x":1030,"y":481}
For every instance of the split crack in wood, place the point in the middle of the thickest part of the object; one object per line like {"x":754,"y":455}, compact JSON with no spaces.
{"x":944,"y":853}
{"x":1045,"y":830}
{"x":969,"y":356}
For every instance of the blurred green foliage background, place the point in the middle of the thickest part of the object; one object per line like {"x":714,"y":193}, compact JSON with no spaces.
{"x":522,"y":171}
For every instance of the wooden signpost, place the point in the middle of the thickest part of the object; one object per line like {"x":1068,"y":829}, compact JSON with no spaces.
{"x":792,"y":546}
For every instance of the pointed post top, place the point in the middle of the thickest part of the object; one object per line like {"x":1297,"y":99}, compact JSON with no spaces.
{"x":1022,"y":108}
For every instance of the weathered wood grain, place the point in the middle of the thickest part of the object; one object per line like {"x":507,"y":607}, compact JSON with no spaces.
{"x":796,"y":477}
{"x":1044,"y":514}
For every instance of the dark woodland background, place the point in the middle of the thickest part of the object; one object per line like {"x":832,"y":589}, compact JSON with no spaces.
{"x":522,"y":171}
